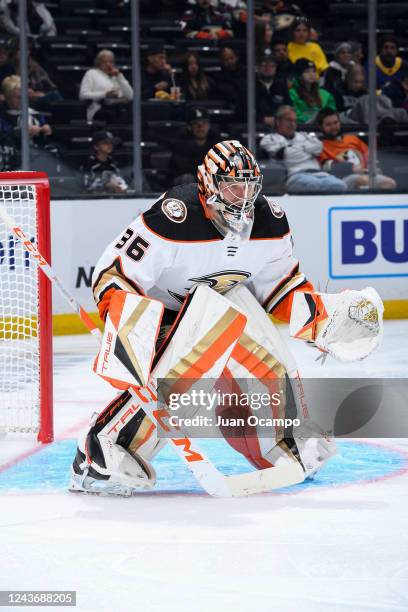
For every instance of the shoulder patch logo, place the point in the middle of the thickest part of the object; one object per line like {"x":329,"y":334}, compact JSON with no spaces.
{"x":276,"y":209}
{"x":175,"y":210}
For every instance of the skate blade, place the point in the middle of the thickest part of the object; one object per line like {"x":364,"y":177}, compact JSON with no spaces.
{"x":91,"y":486}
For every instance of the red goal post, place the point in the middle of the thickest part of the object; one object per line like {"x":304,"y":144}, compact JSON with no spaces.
{"x":26,"y":394}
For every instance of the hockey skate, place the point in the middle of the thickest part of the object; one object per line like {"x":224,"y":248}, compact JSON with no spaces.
{"x":109,"y":470}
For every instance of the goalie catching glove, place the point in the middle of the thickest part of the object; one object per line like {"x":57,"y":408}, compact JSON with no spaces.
{"x":347,"y":325}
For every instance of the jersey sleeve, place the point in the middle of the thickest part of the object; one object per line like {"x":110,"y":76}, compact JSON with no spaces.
{"x":132,"y":262}
{"x":275,"y":284}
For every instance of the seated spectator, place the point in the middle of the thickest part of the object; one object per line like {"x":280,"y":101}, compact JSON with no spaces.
{"x":301,"y":47}
{"x":357,"y":53}
{"x":282,"y":16}
{"x":38,"y":129}
{"x":284,"y":65}
{"x":271,"y":92}
{"x":156,"y":75}
{"x":335,"y":75}
{"x":231,"y":79}
{"x":278,"y":14}
{"x":306,"y":95}
{"x":299,"y":153}
{"x":263,"y":39}
{"x":354,"y":86}
{"x":106,"y":88}
{"x":41,"y":90}
{"x":387,"y":61}
{"x":195,"y":84}
{"x":197,"y":139}
{"x":355,"y":101}
{"x":39,"y":20}
{"x":9,"y":157}
{"x":203,"y":21}
{"x":397,"y":90}
{"x":101,"y":173}
{"x":346,"y":155}
{"x":6,"y":67}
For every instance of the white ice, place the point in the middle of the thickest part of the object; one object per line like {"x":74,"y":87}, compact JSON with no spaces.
{"x":333,"y":548}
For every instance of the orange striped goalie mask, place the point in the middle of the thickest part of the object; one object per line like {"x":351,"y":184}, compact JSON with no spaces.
{"x":229,"y":181}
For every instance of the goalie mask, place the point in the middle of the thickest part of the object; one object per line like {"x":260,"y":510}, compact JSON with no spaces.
{"x":229,"y":181}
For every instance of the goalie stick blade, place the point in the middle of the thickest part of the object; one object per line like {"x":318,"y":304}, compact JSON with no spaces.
{"x":262,"y":481}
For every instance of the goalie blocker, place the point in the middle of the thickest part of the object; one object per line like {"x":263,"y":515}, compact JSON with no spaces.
{"x":122,"y":439}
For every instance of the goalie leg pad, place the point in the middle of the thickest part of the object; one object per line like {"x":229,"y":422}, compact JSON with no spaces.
{"x":260,"y":354}
{"x":115,"y":456}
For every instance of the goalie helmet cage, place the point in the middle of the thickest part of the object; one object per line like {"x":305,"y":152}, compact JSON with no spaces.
{"x":26,"y":398}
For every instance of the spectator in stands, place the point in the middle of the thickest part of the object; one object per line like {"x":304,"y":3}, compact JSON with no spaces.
{"x":263,"y":39}
{"x":306,"y":95}
{"x":356,"y":101}
{"x":197,"y":139}
{"x":299,"y":152}
{"x":346,"y":155}
{"x":387,"y":61}
{"x":278,"y":14}
{"x":101,"y":173}
{"x":41,"y":90}
{"x":195,"y":83}
{"x":231,"y":79}
{"x":397,"y":90}
{"x":282,"y":16}
{"x":6,"y":67}
{"x":284,"y":65}
{"x":39,"y":130}
{"x":203,"y":21}
{"x":9,"y":158}
{"x":301,"y":46}
{"x":271,"y":92}
{"x":106,"y":89}
{"x":357,"y":53}
{"x":335,"y":75}
{"x":39,"y":20}
{"x":354,"y":86}
{"x":156,"y":75}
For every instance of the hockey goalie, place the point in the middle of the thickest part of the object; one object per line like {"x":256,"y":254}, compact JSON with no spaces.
{"x":186,"y":292}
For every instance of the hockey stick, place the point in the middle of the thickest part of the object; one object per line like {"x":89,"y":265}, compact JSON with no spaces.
{"x":210,"y":478}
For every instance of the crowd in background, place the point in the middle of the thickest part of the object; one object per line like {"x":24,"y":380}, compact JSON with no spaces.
{"x":311,"y":92}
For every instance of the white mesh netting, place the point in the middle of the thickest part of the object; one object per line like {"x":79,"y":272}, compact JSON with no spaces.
{"x":19,"y":323}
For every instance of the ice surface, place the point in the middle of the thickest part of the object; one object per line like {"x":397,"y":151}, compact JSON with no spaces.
{"x":338,"y":543}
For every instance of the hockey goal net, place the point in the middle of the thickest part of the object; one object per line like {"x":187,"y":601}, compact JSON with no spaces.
{"x":25,"y":309}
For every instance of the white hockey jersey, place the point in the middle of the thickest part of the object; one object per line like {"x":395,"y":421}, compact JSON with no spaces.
{"x":173,"y":246}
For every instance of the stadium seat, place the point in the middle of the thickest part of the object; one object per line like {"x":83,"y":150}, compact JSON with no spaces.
{"x":65,"y":110}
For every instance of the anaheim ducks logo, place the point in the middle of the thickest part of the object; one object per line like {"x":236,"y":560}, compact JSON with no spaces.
{"x":175,"y":210}
{"x":219,"y":281}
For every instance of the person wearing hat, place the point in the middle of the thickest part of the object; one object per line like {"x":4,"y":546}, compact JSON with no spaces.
{"x":101,"y":172}
{"x":335,"y":75}
{"x":306,"y":95}
{"x":271,"y":92}
{"x":156,"y":75}
{"x":197,"y":139}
